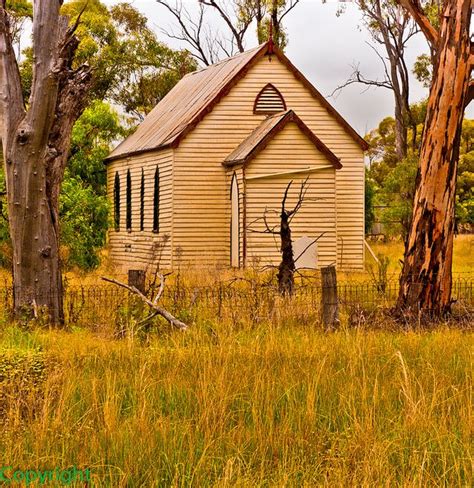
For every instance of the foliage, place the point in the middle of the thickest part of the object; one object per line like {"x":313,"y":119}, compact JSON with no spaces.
{"x":92,"y":136}
{"x":423,"y":70}
{"x":83,"y":203}
{"x":131,"y":67}
{"x":393,"y":182}
{"x":465,"y":182}
{"x":382,"y":144}
{"x":133,"y":70}
{"x":5,"y":246}
{"x":84,"y":222}
{"x":370,"y":189}
{"x":396,"y":195}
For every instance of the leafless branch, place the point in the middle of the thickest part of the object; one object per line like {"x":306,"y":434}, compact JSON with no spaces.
{"x":159,"y":310}
{"x":192,"y":31}
{"x":309,"y":245}
{"x":289,"y":7}
{"x":237,"y":26}
{"x":358,"y":78}
{"x":206,"y":44}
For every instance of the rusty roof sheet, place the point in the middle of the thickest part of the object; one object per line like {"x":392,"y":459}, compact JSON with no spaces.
{"x":264,"y":133}
{"x":187,"y":102}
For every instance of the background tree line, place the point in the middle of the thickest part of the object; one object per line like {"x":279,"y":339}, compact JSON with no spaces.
{"x":390,"y":182}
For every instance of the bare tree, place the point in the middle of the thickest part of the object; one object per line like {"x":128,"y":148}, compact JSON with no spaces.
{"x":36,"y":138}
{"x":207,"y":44}
{"x":391,"y":27}
{"x":287,"y":267}
{"x":426,"y":280}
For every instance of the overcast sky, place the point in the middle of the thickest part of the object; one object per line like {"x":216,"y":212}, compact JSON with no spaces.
{"x":323,"y":46}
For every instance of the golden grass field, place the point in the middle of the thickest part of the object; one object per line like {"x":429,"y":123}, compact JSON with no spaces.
{"x":241,"y":402}
{"x":279,"y":407}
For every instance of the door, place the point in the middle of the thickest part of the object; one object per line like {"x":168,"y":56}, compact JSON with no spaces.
{"x":234,"y":223}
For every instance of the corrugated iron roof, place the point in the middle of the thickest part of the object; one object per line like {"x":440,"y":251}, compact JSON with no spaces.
{"x":265,"y":132}
{"x":184,"y":105}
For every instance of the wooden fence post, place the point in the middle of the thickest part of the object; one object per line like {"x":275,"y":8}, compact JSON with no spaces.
{"x":329,"y":301}
{"x":136,"y":278}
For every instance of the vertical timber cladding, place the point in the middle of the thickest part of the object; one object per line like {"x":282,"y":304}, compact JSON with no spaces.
{"x":139,"y":248}
{"x":201,"y":187}
{"x":290,"y":150}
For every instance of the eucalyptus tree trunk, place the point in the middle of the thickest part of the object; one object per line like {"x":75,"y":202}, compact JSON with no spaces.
{"x":35,"y":144}
{"x":426,"y":280}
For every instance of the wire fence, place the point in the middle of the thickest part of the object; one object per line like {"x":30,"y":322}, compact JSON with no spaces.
{"x":98,"y":306}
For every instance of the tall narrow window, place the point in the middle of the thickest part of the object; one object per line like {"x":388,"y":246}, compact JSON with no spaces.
{"x":142,"y":202}
{"x":129,"y":202}
{"x":117,"y":201}
{"x":269,"y":101}
{"x":156,"y":202}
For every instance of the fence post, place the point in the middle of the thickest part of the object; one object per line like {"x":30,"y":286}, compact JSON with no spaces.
{"x":136,"y":278}
{"x":329,"y":301}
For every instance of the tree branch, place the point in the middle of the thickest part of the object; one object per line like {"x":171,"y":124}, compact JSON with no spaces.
{"x":45,"y":65}
{"x":191,"y":31}
{"x":358,"y":77}
{"x":415,"y":10}
{"x":237,"y":34}
{"x":159,"y":310}
{"x":314,"y":241}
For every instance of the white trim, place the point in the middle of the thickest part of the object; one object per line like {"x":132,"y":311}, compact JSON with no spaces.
{"x":309,"y":169}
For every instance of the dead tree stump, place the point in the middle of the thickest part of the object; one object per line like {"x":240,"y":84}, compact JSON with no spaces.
{"x":329,"y":301}
{"x":137,"y":278}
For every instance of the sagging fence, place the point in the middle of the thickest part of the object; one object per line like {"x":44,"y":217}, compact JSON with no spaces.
{"x":98,"y":306}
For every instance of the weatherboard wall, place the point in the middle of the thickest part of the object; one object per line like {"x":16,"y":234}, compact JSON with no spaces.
{"x":201,"y":208}
{"x":290,"y":150}
{"x":140,"y":249}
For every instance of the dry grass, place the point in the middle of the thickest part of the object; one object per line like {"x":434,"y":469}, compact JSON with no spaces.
{"x":242,"y":402}
{"x":463,"y":259}
{"x":258,"y":407}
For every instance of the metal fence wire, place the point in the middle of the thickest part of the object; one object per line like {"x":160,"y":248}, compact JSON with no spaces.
{"x":100,"y":305}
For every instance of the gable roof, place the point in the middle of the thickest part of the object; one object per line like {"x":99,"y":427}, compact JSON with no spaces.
{"x":196,"y":94}
{"x":264,"y":133}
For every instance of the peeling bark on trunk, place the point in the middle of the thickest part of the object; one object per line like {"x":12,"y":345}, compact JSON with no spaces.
{"x":36,"y":145}
{"x":425,"y":283}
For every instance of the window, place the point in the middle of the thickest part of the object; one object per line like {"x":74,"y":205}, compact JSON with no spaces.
{"x":117,"y":201}
{"x":142,"y":201}
{"x":129,"y":202}
{"x":156,"y":202}
{"x":269,"y":101}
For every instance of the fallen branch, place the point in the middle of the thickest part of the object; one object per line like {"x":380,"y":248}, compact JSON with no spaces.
{"x":159,"y":310}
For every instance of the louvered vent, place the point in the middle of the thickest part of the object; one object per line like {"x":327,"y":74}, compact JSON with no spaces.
{"x":269,"y":101}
